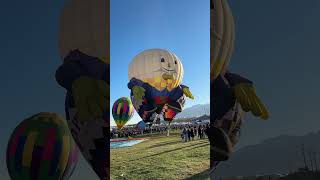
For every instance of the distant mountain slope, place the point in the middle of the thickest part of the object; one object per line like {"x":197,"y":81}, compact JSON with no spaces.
{"x":276,"y":155}
{"x":195,"y":111}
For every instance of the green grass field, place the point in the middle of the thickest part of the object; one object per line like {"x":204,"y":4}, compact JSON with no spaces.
{"x":162,"y":157}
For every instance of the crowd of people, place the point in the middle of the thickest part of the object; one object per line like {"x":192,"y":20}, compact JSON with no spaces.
{"x":125,"y":132}
{"x":192,"y":131}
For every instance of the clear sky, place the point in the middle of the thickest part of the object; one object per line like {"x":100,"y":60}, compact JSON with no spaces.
{"x":180,"y":26}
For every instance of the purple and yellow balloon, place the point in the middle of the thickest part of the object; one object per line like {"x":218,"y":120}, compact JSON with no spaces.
{"x":41,"y":147}
{"x":122,"y":111}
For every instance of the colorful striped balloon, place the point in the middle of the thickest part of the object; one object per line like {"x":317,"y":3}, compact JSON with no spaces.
{"x":41,"y":147}
{"x":122,"y":111}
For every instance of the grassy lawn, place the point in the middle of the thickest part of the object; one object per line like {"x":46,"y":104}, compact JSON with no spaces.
{"x":162,"y":157}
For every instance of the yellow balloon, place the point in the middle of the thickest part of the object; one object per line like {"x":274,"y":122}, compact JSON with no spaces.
{"x":158,"y":67}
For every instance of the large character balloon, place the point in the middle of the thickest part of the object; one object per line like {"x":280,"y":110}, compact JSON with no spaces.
{"x":122,"y":111}
{"x":84,"y":48}
{"x":41,"y":147}
{"x":155,"y":81}
{"x":231,"y":94}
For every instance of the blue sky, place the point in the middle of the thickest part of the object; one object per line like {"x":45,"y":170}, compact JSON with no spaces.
{"x":180,"y":26}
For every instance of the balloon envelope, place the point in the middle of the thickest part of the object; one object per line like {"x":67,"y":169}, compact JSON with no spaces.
{"x":122,"y":111}
{"x":92,"y":138}
{"x":150,"y":65}
{"x":222,"y":37}
{"x":159,"y":72}
{"x":84,"y":25}
{"x":41,"y":147}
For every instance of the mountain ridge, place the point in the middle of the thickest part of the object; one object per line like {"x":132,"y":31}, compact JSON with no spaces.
{"x":194,"y":111}
{"x":277,"y":155}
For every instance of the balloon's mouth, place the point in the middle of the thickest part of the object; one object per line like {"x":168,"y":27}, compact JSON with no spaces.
{"x":167,"y":76}
{"x":168,"y":73}
{"x":168,"y":70}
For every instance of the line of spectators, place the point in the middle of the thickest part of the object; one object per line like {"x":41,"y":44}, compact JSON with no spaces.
{"x":133,"y":131}
{"x":190,"y":132}
{"x":125,"y":132}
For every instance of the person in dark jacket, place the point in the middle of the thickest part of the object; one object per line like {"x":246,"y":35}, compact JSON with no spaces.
{"x":200,"y":132}
{"x":192,"y":133}
{"x":189,"y":133}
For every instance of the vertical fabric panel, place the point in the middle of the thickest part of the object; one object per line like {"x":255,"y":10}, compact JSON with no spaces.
{"x":27,"y":153}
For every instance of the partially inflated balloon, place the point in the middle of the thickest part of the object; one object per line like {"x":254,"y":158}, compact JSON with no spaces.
{"x":122,"y":111}
{"x":41,"y":147}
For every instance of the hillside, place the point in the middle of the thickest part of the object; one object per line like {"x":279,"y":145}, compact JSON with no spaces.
{"x":277,"y":155}
{"x":195,"y":111}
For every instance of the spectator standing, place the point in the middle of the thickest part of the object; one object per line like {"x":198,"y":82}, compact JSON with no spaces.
{"x":189,"y":133}
{"x":192,"y":133}
{"x":199,"y":132}
{"x":185,"y":134}
{"x":206,"y":130}
{"x":182,"y":135}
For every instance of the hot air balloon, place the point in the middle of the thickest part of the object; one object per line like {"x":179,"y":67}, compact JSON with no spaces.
{"x":222,"y":34}
{"x":231,"y":94}
{"x":155,"y":77}
{"x":41,"y":147}
{"x":85,"y":74}
{"x":122,"y":111}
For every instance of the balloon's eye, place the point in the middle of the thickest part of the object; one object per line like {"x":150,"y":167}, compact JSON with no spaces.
{"x":162,"y":59}
{"x":175,"y":62}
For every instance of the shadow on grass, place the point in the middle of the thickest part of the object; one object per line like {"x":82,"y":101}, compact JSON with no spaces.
{"x":202,"y":144}
{"x":157,"y":135}
{"x":165,"y":144}
{"x":202,"y":175}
